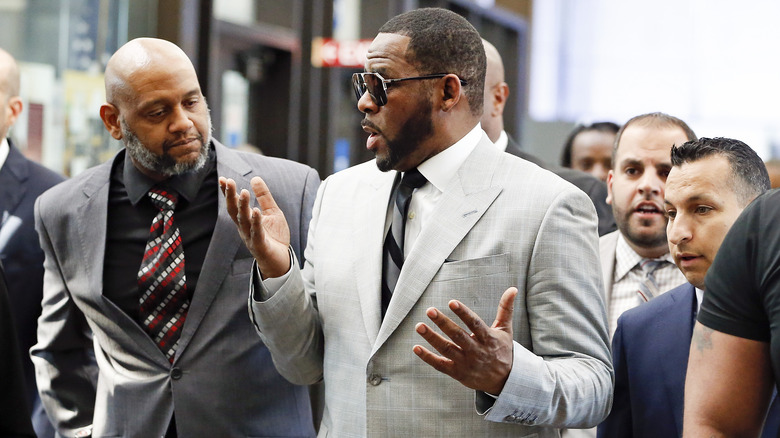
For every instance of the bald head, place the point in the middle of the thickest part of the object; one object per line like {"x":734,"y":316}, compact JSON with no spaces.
{"x":137,"y":58}
{"x":10,"y":102}
{"x":495,"y":65}
{"x":9,"y":75}
{"x":496,"y":93}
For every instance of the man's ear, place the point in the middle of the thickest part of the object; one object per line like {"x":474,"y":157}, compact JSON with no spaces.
{"x":15,"y":105}
{"x":500,"y":94}
{"x":610,"y":178}
{"x":451,"y":94}
{"x":110,"y":116}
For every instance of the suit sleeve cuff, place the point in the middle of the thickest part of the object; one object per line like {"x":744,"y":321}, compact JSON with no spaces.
{"x":265,"y":289}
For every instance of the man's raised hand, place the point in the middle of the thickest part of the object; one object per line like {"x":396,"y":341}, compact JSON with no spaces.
{"x":264,"y":230}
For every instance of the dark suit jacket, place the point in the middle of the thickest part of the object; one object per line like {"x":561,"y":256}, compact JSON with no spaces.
{"x":15,"y":417}
{"x":650,"y":354}
{"x":593,"y":187}
{"x":21,"y":182}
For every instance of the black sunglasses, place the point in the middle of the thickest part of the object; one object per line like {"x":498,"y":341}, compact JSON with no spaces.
{"x":376,"y":85}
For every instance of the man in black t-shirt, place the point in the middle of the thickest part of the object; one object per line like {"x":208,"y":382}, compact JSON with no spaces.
{"x":736,"y":351}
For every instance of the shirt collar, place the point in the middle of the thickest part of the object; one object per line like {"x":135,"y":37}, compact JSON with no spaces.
{"x":502,"y":142}
{"x":440,"y":168}
{"x":187,"y":184}
{"x":5,"y":149}
{"x":699,"y":296}
{"x":627,"y":259}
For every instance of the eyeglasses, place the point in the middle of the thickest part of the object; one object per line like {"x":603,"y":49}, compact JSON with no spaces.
{"x":371,"y":82}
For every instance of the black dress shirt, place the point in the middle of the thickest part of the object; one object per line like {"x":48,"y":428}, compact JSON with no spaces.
{"x":130,"y":215}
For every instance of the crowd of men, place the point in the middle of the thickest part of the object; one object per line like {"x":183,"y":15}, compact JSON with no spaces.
{"x":453,"y":286}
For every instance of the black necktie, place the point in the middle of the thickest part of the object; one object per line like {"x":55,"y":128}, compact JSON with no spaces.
{"x":393,"y":254}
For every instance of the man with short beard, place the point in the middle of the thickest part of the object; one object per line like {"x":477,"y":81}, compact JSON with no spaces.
{"x":440,"y":227}
{"x":635,"y":259}
{"x":145,"y":272}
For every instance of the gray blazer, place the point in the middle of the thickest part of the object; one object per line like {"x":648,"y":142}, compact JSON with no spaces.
{"x":501,"y":222}
{"x":222,"y":382}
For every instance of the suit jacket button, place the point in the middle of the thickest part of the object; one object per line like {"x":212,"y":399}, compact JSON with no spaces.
{"x":176,"y":373}
{"x":375,"y":379}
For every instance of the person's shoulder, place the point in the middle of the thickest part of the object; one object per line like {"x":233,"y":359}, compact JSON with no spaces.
{"x":367,"y":169}
{"x":67,"y":187}
{"x":265,"y":166}
{"x":582,"y":180}
{"x":523,"y":174}
{"x":659,"y":307}
{"x":34,"y":175}
{"x":767,"y":203}
{"x":67,"y":197}
{"x":258,"y":160}
{"x":42,"y":176}
{"x":609,"y":238}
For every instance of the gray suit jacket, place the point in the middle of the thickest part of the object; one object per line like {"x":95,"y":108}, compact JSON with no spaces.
{"x":222,"y":382}
{"x":501,"y":222}
{"x":593,"y":187}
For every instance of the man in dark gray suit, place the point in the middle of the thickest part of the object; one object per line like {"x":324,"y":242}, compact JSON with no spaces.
{"x":496,"y":93}
{"x":21,"y":182}
{"x":176,"y":352}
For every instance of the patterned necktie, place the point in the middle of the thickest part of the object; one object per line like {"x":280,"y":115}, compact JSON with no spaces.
{"x":648,"y":288}
{"x":393,"y":254}
{"x":161,"y":279}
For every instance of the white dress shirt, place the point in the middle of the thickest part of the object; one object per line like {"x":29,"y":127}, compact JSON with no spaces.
{"x":438,"y":170}
{"x":503,"y":141}
{"x":699,"y":296}
{"x":5,"y":149}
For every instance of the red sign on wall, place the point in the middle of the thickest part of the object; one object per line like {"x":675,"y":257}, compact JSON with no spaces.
{"x":327,"y":52}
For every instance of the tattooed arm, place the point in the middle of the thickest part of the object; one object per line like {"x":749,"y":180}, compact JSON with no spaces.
{"x":728,"y":385}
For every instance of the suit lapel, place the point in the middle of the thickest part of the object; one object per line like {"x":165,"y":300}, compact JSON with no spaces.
{"x":368,"y":265}
{"x":91,"y":229}
{"x":222,"y":250}
{"x":607,"y":248}
{"x":461,"y":205}
{"x":92,"y":239}
{"x":678,"y":329}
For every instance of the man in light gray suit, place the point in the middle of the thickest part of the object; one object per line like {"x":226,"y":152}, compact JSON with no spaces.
{"x":485,"y":229}
{"x":217,"y":379}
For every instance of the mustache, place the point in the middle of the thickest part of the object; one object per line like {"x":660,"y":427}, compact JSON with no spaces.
{"x":365,"y":123}
{"x":167,"y":144}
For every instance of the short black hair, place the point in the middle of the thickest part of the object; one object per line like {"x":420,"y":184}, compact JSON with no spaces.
{"x":652,"y":119}
{"x":608,"y":127}
{"x":748,"y":172}
{"x":442,"y":41}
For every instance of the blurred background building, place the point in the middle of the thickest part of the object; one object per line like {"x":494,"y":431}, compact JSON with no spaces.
{"x":276,"y":73}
